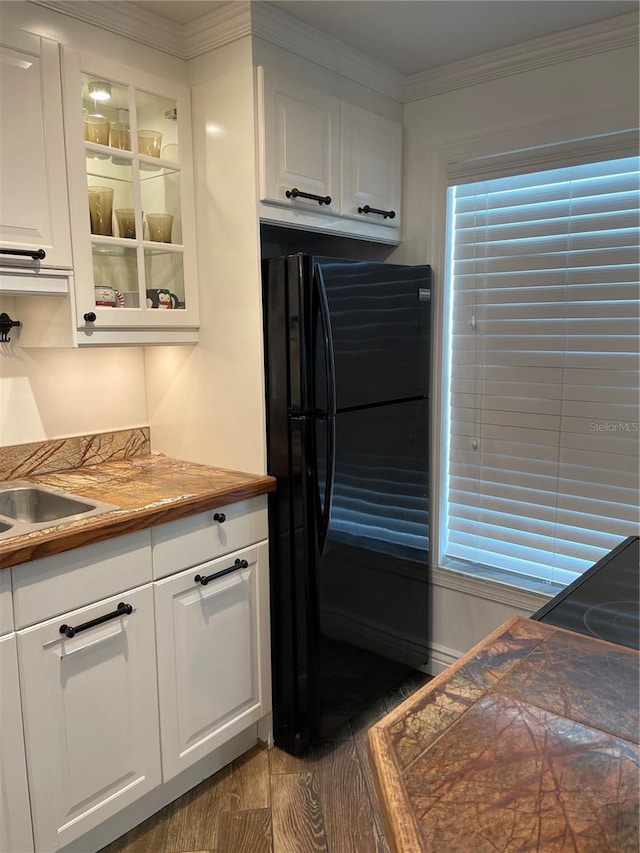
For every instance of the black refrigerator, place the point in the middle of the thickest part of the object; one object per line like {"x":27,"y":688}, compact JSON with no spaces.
{"x":347,"y":368}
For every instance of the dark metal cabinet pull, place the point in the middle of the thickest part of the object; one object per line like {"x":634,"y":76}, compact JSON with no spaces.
{"x":388,"y":214}
{"x":121,"y":610}
{"x":90,"y":317}
{"x":296,"y":193}
{"x":219,"y":516}
{"x":36,"y":254}
{"x":204,"y":579}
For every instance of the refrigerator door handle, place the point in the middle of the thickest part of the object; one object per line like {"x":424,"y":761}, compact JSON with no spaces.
{"x":328,"y":490}
{"x":330,"y":380}
{"x":327,"y":339}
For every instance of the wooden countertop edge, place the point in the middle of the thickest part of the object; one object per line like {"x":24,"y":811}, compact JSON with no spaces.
{"x":400,"y":827}
{"x":403,"y":835}
{"x":54,"y":540}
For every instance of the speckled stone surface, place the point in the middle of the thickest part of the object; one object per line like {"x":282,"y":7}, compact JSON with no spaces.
{"x":147,"y":489}
{"x":528,"y":743}
{"x":20,"y":461}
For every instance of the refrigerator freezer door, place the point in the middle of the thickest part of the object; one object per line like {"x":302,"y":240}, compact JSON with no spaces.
{"x":379,"y":319}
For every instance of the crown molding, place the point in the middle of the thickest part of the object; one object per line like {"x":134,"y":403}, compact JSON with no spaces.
{"x":223,"y":26}
{"x":296,"y":37}
{"x":185,"y":41}
{"x":240,"y":18}
{"x":123,"y":19}
{"x":610,"y":34}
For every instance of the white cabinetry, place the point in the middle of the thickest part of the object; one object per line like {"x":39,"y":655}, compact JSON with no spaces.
{"x":6,"y":605}
{"x":371,"y":179}
{"x":34,"y":207}
{"x":90,"y":712}
{"x":132,"y":203}
{"x":213,"y":662}
{"x":15,"y":815}
{"x":326,"y":164}
{"x":301,"y":139}
{"x":126,"y":683}
{"x":89,"y":685}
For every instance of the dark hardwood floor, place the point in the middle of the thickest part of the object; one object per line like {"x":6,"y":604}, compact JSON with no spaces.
{"x":270,"y":802}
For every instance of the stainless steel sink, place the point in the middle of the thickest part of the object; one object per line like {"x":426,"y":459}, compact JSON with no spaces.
{"x":25,"y":507}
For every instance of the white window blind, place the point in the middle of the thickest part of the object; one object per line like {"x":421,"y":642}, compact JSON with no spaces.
{"x":543,"y":456}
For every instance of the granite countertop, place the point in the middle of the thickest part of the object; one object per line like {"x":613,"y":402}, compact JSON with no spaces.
{"x":528,"y":743}
{"x":148,"y":489}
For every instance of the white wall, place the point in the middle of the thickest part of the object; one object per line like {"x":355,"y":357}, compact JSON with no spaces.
{"x":206,"y":403}
{"x":46,"y":393}
{"x":567,"y":101}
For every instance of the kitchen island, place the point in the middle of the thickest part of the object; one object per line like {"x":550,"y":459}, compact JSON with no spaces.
{"x":528,"y":743}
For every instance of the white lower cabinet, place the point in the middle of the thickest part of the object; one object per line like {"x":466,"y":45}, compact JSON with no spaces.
{"x":90,"y":714}
{"x":213,"y":654}
{"x":15,"y":817}
{"x":110,"y":691}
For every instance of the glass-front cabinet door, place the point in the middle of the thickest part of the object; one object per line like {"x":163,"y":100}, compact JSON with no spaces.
{"x":132,"y":202}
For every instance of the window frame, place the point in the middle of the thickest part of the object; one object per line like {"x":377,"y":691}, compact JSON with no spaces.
{"x":507,"y":587}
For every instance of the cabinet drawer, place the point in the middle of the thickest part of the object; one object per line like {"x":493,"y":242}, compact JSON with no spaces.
{"x":6,"y":607}
{"x":178,"y":545}
{"x":45,"y":588}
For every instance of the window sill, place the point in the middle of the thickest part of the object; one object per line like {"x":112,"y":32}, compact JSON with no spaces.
{"x":525,"y":594}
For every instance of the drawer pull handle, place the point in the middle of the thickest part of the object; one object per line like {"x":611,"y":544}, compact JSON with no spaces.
{"x":122,"y":608}
{"x":219,"y":516}
{"x":204,"y":579}
{"x":296,"y":193}
{"x":386,"y":214}
{"x":36,"y":254}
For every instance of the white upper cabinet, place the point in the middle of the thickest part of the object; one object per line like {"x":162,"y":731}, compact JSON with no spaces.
{"x":301,"y":138}
{"x":132,"y":203}
{"x":371,"y":177}
{"x":34,"y":207}
{"x":326,"y":164}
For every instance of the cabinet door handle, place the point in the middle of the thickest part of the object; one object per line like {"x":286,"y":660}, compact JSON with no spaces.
{"x":122,"y":608}
{"x":219,"y":516}
{"x":388,"y":214}
{"x":296,"y":193}
{"x":36,"y":254}
{"x":204,"y":579}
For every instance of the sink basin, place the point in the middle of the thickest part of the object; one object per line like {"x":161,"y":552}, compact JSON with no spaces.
{"x":25,"y":507}
{"x":34,"y":505}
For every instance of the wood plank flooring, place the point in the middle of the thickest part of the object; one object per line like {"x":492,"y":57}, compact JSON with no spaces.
{"x":267,"y":801}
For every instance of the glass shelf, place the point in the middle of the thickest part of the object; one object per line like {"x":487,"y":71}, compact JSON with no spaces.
{"x":113,"y":246}
{"x":115,"y":276}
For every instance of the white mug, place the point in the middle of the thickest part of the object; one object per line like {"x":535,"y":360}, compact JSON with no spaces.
{"x":108,"y":297}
